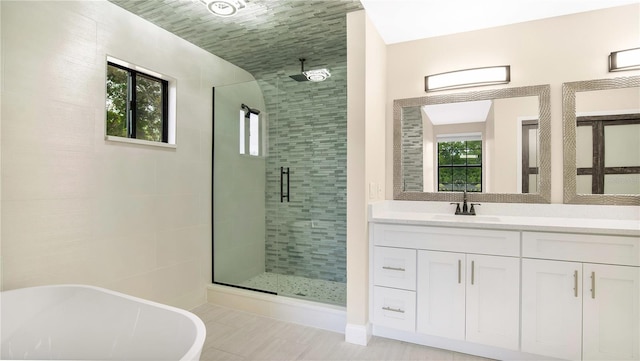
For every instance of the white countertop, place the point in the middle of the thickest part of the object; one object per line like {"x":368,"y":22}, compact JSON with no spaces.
{"x":588,"y":219}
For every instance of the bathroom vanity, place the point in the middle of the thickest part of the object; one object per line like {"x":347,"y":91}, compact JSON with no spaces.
{"x":515,"y":281}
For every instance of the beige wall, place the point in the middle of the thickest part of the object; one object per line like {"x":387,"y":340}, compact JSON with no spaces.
{"x":366,"y":84}
{"x":505,"y":173}
{"x":550,"y":51}
{"x":78,"y":209}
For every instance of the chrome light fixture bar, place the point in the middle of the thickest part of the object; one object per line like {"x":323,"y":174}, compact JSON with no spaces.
{"x":468,"y":78}
{"x":317,"y":75}
{"x":624,"y":60}
{"x":224,"y":8}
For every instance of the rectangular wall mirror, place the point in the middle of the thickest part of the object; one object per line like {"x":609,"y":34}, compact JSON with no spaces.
{"x":493,"y":144}
{"x":601,"y":120}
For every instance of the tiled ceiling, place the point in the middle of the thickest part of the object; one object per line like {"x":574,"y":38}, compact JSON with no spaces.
{"x":264,"y":37}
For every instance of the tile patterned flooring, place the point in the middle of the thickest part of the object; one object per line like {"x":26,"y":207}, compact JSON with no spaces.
{"x":300,"y":287}
{"x":238,"y":336}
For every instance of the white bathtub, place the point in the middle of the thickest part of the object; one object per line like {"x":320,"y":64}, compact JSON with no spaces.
{"x":76,"y":322}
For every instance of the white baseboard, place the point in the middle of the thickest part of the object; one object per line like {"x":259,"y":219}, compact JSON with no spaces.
{"x":357,"y":334}
{"x":303,"y":312}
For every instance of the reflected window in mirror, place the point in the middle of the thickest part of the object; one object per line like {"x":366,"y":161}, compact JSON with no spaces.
{"x":460,"y":163}
{"x":498,"y":116}
{"x":608,"y":154}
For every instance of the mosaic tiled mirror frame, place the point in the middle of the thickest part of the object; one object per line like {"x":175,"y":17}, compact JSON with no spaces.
{"x":544,"y":107}
{"x":569,"y":120}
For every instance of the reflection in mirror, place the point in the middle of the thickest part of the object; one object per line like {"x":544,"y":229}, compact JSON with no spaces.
{"x":487,"y":143}
{"x":485,"y":146}
{"x":602,"y":141}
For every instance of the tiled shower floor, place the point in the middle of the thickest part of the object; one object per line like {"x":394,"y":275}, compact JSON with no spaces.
{"x":300,"y":287}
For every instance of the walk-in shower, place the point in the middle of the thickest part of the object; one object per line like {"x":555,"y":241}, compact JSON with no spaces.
{"x":279,"y":214}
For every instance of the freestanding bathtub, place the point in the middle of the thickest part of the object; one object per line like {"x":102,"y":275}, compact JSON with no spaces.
{"x":77,"y":322}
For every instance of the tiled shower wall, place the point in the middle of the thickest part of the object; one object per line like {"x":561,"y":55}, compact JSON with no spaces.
{"x":307,"y":132}
{"x":412,"y":149}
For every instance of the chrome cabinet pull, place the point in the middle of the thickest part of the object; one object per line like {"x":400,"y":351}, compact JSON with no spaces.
{"x":593,"y":285}
{"x":473,"y":272}
{"x":394,"y":268}
{"x":459,"y":271}
{"x":575,"y":283}
{"x":393,"y":309}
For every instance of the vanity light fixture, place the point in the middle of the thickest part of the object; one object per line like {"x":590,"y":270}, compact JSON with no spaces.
{"x":317,"y":75}
{"x":624,"y":60}
{"x":224,"y":8}
{"x":468,"y":78}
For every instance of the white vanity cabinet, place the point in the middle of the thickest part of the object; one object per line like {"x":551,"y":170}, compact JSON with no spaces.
{"x":508,"y":293}
{"x":581,"y":310}
{"x":457,"y":283}
{"x":541,"y":282}
{"x":469,"y":297}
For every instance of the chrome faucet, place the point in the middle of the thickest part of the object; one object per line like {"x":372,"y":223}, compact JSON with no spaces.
{"x":466,"y":210}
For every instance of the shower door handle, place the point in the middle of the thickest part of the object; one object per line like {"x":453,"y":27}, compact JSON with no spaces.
{"x":284,"y":195}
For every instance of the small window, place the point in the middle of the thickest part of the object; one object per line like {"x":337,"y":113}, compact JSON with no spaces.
{"x":460,"y":163}
{"x":250,"y":134}
{"x":137,"y":104}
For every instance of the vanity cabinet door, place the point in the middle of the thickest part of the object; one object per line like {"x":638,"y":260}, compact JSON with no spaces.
{"x":611,"y":312}
{"x":552,"y":308}
{"x":441,"y":294}
{"x":493,"y":301}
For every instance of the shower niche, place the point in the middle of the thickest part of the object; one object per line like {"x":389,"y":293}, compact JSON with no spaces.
{"x":279,"y":217}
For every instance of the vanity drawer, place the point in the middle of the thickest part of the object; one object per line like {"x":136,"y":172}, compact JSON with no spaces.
{"x":394,"y":308}
{"x":394,"y":267}
{"x":620,"y":250}
{"x":480,"y":241}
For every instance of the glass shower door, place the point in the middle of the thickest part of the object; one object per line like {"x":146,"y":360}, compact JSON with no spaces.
{"x":280,"y":218}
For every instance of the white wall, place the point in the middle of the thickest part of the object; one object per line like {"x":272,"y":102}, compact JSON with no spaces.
{"x":78,"y":209}
{"x":550,"y":51}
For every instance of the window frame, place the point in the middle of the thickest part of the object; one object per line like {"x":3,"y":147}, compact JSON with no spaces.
{"x":168,"y":94}
{"x":466,"y":166}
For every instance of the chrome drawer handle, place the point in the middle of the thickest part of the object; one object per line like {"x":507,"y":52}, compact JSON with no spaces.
{"x":394,"y":268}
{"x":393,"y":309}
{"x":473,"y":272}
{"x":575,"y":283}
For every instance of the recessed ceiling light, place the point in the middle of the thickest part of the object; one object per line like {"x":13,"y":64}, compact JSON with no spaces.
{"x":224,"y":8}
{"x":317,"y":75}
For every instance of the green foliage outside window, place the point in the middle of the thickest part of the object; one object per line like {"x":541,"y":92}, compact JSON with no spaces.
{"x":149,"y":109}
{"x":460,"y":166}
{"x":146,"y":118}
{"x":117,"y":83}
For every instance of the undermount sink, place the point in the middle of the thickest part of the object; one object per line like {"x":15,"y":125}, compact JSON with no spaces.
{"x":462,"y":218}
